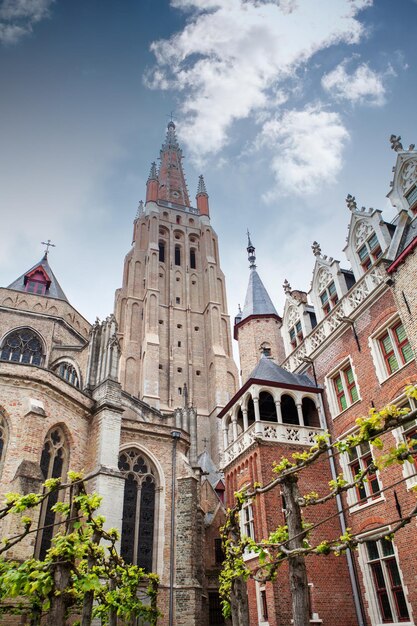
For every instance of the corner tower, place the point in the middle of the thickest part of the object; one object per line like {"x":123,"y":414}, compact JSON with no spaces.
{"x":257,"y":327}
{"x":173,"y":323}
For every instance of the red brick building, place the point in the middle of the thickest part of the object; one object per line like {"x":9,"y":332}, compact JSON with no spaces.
{"x":350,"y":345}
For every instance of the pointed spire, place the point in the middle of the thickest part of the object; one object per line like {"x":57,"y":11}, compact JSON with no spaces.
{"x":201,"y":189}
{"x":152,"y":184}
{"x":139,"y":212}
{"x":202,"y":197}
{"x":171,"y":141}
{"x":153,"y":174}
{"x":171,"y":180}
{"x":251,"y":253}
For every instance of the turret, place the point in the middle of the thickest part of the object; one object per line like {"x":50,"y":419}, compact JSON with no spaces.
{"x":202,"y":197}
{"x":257,"y":327}
{"x":152,"y":185}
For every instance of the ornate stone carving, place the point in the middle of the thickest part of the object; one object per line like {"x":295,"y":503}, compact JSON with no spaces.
{"x":323,"y":278}
{"x":408,"y":174}
{"x":362,"y":231}
{"x":293,"y":316}
{"x":351,"y":202}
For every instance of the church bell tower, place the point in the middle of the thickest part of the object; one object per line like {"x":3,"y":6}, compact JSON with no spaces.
{"x":174,"y":328}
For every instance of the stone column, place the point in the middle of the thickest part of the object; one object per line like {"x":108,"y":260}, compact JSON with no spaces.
{"x":245,"y":419}
{"x":234,"y":427}
{"x":258,"y":427}
{"x":300,"y":413}
{"x":278,"y":410}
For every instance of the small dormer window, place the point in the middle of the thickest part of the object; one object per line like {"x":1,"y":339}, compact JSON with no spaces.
{"x":296,"y":334}
{"x":36,"y":283}
{"x":369,"y":252}
{"x":329,"y":298}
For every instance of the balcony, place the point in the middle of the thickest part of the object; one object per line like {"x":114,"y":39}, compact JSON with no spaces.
{"x":270,"y":431}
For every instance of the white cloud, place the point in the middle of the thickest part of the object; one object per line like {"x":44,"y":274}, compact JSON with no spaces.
{"x":308,"y":146}
{"x":17,"y":18}
{"x":232,"y":58}
{"x":363,"y":86}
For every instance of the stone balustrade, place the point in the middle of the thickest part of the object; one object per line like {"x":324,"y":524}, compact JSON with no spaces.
{"x":271,"y":431}
{"x":342,"y":313}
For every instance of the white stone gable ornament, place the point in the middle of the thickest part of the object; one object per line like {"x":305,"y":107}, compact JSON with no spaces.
{"x":408,"y":174}
{"x":362,"y":231}
{"x":323,"y":278}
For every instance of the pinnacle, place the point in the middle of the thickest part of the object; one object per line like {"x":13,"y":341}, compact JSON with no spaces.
{"x":201,"y":189}
{"x":153,"y":174}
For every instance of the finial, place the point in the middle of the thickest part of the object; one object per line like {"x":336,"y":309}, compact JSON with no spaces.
{"x":239,"y":309}
{"x":153,"y":174}
{"x":316,"y":248}
{"x":251,"y":252}
{"x":139,"y":212}
{"x":411,"y":146}
{"x":48,"y":245}
{"x":351,"y":202}
{"x":287,"y":286}
{"x":201,"y":189}
{"x":396,"y":143}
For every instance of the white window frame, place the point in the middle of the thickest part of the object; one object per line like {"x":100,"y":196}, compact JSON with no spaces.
{"x":351,"y":495}
{"x":331,"y":391}
{"x":371,"y":253}
{"x":370,"y":591}
{"x":374,"y":343}
{"x":332,"y":300}
{"x":260,"y":587}
{"x":400,"y":434}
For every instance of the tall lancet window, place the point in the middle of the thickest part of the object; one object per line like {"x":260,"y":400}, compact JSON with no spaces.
{"x":138,"y":509}
{"x":54,"y":464}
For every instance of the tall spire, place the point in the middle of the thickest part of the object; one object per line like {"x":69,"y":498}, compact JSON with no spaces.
{"x":251,"y":253}
{"x":172,"y":185}
{"x":202,"y":197}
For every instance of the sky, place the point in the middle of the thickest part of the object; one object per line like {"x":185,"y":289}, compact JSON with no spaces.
{"x":285,"y":106}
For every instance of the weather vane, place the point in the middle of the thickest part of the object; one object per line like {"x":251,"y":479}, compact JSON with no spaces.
{"x":48,"y":245}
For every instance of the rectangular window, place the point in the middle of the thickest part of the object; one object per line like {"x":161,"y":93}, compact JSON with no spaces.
{"x":411,"y":196}
{"x":395,"y":348}
{"x":364,"y":257}
{"x":246,"y":521}
{"x":218,"y":551}
{"x":345,"y":388}
{"x":360,"y":458}
{"x":386,"y":581}
{"x":329,"y":298}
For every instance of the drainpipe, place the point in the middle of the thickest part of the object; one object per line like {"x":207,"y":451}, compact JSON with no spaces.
{"x":360,"y":613}
{"x":175,"y":434}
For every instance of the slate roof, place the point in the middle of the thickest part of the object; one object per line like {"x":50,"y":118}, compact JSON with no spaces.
{"x":408,"y":236}
{"x":207,"y":465}
{"x":257,"y":300}
{"x":268,"y":370}
{"x":54,"y":290}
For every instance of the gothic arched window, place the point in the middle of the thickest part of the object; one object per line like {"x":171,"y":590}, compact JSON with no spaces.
{"x":54,"y":464}
{"x":68,"y":372}
{"x":138,"y":509}
{"x":22,"y":346}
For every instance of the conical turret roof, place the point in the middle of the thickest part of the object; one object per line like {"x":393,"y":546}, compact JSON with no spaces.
{"x":257,"y":301}
{"x":53,"y":288}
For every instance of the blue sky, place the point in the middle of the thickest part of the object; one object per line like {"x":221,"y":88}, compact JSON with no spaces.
{"x":285,"y":106}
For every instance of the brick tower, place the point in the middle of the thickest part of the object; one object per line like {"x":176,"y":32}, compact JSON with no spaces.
{"x":174,"y":327}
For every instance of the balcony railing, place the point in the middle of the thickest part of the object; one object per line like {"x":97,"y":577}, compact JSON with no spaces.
{"x":340,"y":314}
{"x":271,"y":431}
